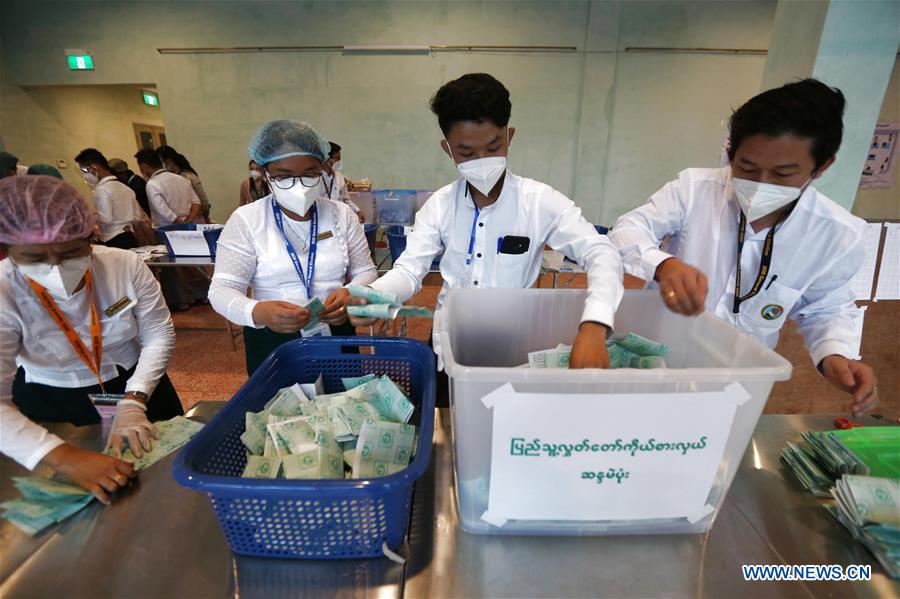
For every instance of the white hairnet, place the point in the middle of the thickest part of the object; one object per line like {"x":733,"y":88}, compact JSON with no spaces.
{"x":280,"y":139}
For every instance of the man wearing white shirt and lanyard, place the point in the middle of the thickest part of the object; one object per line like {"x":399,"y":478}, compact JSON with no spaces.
{"x":492,"y":225}
{"x":114,"y":202}
{"x":755,"y":243}
{"x":77,"y":320}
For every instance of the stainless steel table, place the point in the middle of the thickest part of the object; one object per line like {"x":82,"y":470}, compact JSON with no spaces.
{"x":162,"y":540}
{"x":767,"y":519}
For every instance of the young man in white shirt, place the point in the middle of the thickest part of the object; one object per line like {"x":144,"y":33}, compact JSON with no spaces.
{"x":115,"y":204}
{"x":492,"y":225}
{"x":755,"y":243}
{"x":172,"y":199}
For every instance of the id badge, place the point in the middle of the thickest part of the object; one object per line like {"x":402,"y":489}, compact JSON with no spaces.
{"x":106,"y":403}
{"x":320,"y":330}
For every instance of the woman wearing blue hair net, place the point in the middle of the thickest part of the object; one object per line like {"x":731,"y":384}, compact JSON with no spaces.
{"x":291,"y":248}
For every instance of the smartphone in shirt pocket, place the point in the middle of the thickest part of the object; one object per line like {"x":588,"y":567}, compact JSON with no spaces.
{"x":511,"y":263}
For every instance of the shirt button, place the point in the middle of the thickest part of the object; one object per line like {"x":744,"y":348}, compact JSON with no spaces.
{"x":476,"y":283}
{"x":480,"y":224}
{"x":479,"y":255}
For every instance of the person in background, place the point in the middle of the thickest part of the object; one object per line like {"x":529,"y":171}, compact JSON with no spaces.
{"x":44,"y":169}
{"x":115,"y":205}
{"x":492,"y":225}
{"x":254,"y":186}
{"x":77,"y":319}
{"x":755,"y":243}
{"x":289,"y":247}
{"x":172,"y":201}
{"x":178,"y":164}
{"x":334,"y":184}
{"x":135,"y":182}
{"x":172,"y":198}
{"x":8,"y":164}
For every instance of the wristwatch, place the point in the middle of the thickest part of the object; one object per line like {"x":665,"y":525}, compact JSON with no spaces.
{"x":138,"y":395}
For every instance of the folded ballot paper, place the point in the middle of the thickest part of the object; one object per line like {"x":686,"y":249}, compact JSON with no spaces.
{"x":869,"y":507}
{"x":628,"y":350}
{"x":382,"y":305}
{"x":47,"y":501}
{"x":304,"y":433}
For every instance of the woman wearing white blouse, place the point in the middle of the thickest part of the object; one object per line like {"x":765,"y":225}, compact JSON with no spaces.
{"x":76,"y":320}
{"x":289,"y":247}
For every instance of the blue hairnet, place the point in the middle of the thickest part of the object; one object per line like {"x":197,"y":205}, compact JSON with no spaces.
{"x":279,"y":139}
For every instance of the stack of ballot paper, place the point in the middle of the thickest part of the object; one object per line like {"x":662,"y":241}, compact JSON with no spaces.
{"x":46,"y":501}
{"x":303,"y":433}
{"x":825,"y":456}
{"x":628,"y":350}
{"x":382,"y":305}
{"x":869,"y":507}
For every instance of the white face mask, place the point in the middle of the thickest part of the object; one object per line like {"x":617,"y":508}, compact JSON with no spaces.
{"x":298,"y":199}
{"x":482,"y":173}
{"x":338,"y":166}
{"x":60,"y":280}
{"x":90,"y":178}
{"x":760,"y":199}
{"x":255,"y":174}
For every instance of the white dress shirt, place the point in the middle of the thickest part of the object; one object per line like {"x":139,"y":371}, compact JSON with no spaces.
{"x":525,"y":208}
{"x":251,"y":253}
{"x":170,"y":197}
{"x":334,"y":187}
{"x":141,"y":333}
{"x":116,"y":207}
{"x":817,"y":250}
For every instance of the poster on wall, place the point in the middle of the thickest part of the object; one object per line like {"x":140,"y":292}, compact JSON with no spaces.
{"x":878,"y":171}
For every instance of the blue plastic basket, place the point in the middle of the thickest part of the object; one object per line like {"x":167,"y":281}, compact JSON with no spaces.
{"x":396,"y":238}
{"x":371,"y":235}
{"x":329,"y":519}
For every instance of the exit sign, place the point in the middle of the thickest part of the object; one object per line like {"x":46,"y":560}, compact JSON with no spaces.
{"x":150,"y":99}
{"x":80,"y":60}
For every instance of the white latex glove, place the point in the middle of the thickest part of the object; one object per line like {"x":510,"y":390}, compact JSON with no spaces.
{"x":131,"y":424}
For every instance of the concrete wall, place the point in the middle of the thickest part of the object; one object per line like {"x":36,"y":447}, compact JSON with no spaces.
{"x":603,"y":125}
{"x":884,"y":202}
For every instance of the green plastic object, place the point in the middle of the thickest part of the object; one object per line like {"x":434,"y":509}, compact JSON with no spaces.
{"x":878,"y":447}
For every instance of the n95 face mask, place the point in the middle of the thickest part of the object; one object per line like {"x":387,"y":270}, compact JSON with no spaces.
{"x":298,"y":199}
{"x":60,"y":280}
{"x":482,"y":173}
{"x":760,"y":199}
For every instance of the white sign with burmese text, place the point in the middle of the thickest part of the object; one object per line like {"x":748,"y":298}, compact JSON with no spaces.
{"x":606,"y":457}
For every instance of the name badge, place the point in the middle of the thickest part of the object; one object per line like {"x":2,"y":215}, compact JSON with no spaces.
{"x":325,"y":235}
{"x":118,"y":306}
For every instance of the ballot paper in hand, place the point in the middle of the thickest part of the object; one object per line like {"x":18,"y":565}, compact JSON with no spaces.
{"x":383,"y":305}
{"x":173,"y":434}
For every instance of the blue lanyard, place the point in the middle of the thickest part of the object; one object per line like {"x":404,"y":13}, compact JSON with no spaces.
{"x":472,"y":238}
{"x":313,"y":241}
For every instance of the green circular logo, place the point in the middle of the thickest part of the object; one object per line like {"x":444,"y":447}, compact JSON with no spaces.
{"x":772,"y":312}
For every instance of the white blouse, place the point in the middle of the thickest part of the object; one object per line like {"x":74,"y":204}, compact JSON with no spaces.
{"x":251,"y":254}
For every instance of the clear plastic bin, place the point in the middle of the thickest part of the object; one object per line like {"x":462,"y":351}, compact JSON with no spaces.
{"x":485,"y":333}
{"x":395,"y":206}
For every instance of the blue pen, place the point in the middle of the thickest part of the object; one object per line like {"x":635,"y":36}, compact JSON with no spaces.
{"x":499,"y":244}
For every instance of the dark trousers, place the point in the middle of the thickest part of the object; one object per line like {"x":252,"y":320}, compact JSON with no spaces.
{"x":44,"y":403}
{"x":123,"y":241}
{"x":259,"y":343}
{"x":441,"y":383}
